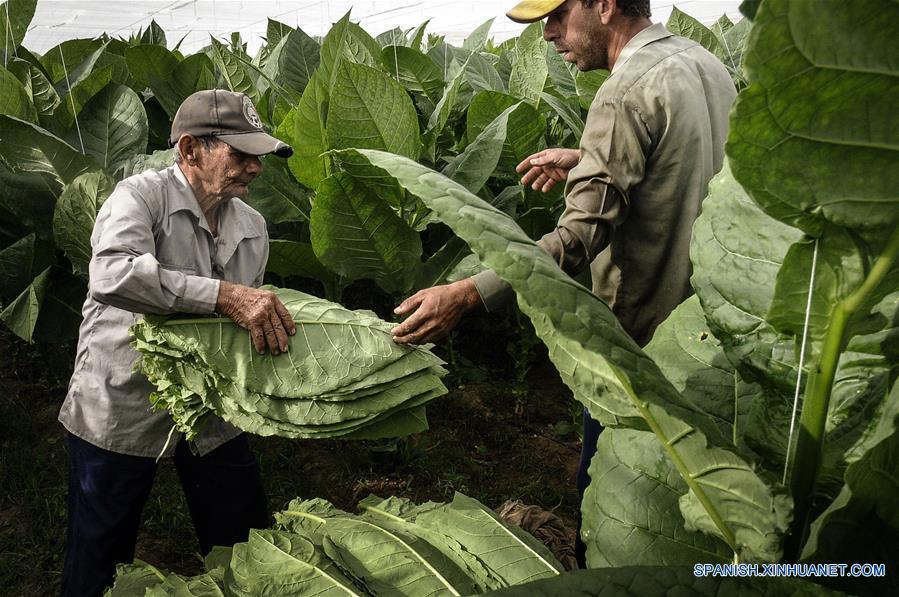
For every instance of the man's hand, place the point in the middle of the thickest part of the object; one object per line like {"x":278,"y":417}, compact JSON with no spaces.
{"x":437,"y":310}
{"x":544,"y":169}
{"x":260,"y":312}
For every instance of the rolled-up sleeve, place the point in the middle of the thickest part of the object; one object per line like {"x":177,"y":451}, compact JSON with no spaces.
{"x":124,"y":271}
{"x":613,"y":160}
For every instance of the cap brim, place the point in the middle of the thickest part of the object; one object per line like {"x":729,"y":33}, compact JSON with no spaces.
{"x":529,"y":11}
{"x":257,"y":144}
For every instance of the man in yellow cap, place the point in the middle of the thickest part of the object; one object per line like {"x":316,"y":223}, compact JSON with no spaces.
{"x":653,"y":139}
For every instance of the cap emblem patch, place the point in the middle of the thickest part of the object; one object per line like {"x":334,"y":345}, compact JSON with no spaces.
{"x":250,"y":113}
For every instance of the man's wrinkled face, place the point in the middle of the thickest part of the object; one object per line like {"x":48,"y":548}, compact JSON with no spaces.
{"x":579,"y":35}
{"x":226,"y":172}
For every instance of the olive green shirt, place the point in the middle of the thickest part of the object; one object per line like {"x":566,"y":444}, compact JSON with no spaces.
{"x":654,"y":138}
{"x":153,"y":252}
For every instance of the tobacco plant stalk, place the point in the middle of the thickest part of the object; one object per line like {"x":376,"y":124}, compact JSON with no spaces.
{"x":807,"y":460}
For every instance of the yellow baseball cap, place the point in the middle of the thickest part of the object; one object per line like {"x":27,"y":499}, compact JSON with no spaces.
{"x":528,"y":11}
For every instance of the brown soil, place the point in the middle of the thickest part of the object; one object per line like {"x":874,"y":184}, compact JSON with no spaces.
{"x":492,"y":437}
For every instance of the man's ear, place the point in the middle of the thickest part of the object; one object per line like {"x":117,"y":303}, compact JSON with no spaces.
{"x":607,"y":10}
{"x":188,"y":147}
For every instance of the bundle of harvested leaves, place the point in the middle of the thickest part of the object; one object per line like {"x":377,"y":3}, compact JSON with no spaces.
{"x":342,"y":374}
{"x":393,"y":547}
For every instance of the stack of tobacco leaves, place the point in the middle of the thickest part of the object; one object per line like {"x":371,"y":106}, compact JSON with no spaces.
{"x":342,"y":376}
{"x":392,"y":547}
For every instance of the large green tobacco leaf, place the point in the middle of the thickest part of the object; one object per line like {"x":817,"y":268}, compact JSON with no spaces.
{"x":387,"y":557}
{"x":476,"y":163}
{"x":414,"y":71}
{"x":60,"y":313}
{"x":275,"y":32}
{"x":29,"y":148}
{"x":560,"y":73}
{"x":71,"y":78}
{"x":839,"y":270}
{"x":680,"y":23}
{"x":16,"y":267}
{"x":733,"y":43}
{"x":194,"y":73}
{"x":356,"y":234}
{"x":648,"y":581}
{"x":153,"y":34}
{"x":607,"y":371}
{"x":294,"y":60}
{"x":114,"y":126}
{"x":737,"y":251}
{"x":285,"y":563}
{"x":231,"y":71}
{"x":441,"y":114}
{"x":392,"y":562}
{"x":357,"y":117}
{"x":525,"y":131}
{"x":290,"y":258}
{"x":478,"y":38}
{"x":530,"y":72}
{"x":14,"y":98}
{"x":15,"y":16}
{"x":481,"y":75}
{"x":510,"y":554}
{"x":150,"y":61}
{"x":75,"y":214}
{"x":143,"y":579}
{"x":862,"y":524}
{"x":39,"y":88}
{"x":21,"y":315}
{"x":823,"y":91}
{"x":402,"y":514}
{"x":392,"y":37}
{"x":72,"y":104}
{"x":26,"y":204}
{"x":632,"y":474}
{"x":276,"y":195}
{"x":630,"y":510}
{"x":568,"y":111}
{"x":692,"y":359}
{"x":65,"y":57}
{"x":346,"y":41}
{"x":305,"y":128}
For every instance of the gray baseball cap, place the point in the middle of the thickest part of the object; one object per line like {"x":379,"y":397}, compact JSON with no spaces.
{"x":231,"y":117}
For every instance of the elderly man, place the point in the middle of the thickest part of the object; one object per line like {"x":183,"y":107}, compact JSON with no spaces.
{"x":175,"y":241}
{"x":654,"y":137}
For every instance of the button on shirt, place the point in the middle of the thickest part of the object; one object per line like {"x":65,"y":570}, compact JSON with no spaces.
{"x":653,"y":140}
{"x":153,"y":252}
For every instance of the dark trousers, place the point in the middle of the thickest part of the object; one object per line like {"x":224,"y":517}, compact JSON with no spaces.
{"x":592,"y":429}
{"x":108,"y":490}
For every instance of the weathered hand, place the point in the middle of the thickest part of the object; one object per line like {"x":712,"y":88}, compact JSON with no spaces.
{"x":260,"y":312}
{"x":543,"y":170}
{"x":437,"y":310}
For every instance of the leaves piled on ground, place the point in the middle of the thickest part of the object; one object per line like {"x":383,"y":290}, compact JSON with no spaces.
{"x":342,"y":374}
{"x":393,"y":547}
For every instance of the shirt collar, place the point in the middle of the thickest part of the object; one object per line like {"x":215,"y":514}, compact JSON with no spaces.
{"x":652,"y":33}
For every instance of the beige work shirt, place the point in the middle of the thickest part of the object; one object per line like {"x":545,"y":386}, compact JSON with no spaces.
{"x":153,"y":252}
{"x":654,"y":138}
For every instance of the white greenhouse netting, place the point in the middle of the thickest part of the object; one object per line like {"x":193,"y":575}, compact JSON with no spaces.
{"x":193,"y":21}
